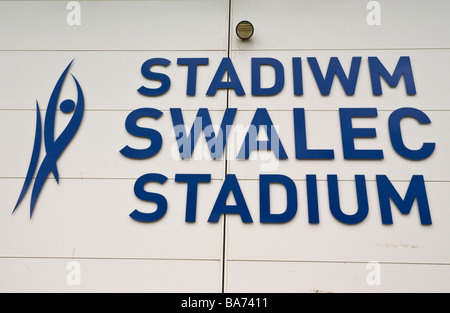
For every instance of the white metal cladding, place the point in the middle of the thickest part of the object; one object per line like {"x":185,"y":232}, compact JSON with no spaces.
{"x":85,"y":217}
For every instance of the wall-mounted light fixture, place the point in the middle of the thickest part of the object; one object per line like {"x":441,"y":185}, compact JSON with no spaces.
{"x":245,"y":30}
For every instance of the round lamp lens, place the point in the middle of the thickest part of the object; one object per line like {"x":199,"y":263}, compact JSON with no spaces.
{"x":245,"y":30}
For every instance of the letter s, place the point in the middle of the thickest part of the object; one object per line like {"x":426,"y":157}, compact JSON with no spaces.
{"x":147,"y":73}
{"x":144,"y":195}
{"x":153,"y":135}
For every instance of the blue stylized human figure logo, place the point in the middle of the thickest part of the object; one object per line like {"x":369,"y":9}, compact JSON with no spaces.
{"x":54,"y":148}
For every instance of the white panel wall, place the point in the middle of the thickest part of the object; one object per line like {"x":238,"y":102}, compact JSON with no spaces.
{"x":323,"y":277}
{"x":115,"y":25}
{"x":86,"y":217}
{"x":331,"y":256}
{"x":341,"y":25}
{"x":48,"y":275}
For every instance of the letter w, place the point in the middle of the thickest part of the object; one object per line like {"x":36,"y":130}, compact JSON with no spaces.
{"x":335,"y":69}
{"x":186,"y":143}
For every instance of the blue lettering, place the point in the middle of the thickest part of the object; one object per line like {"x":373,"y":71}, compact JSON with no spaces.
{"x":153,"y":135}
{"x":144,"y":195}
{"x":377,"y":70}
{"x":192,"y":181}
{"x":335,"y":207}
{"x":192,"y":64}
{"x":257,"y":90}
{"x":335,"y":69}
{"x":186,"y":143}
{"x":349,"y":134}
{"x":301,"y":150}
{"x":230,"y":185}
{"x":262,"y":118}
{"x":416,"y":191}
{"x":266,"y":216}
{"x":226,"y":66}
{"x":396,"y":134}
{"x":147,"y":73}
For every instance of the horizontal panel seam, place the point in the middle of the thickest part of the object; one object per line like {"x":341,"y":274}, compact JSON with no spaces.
{"x":224,"y":50}
{"x":96,"y":178}
{"x":340,"y":262}
{"x":112,"y":50}
{"x":165,"y":110}
{"x":107,"y":258}
{"x":220,"y":179}
{"x":341,"y":49}
{"x":115,"y":110}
